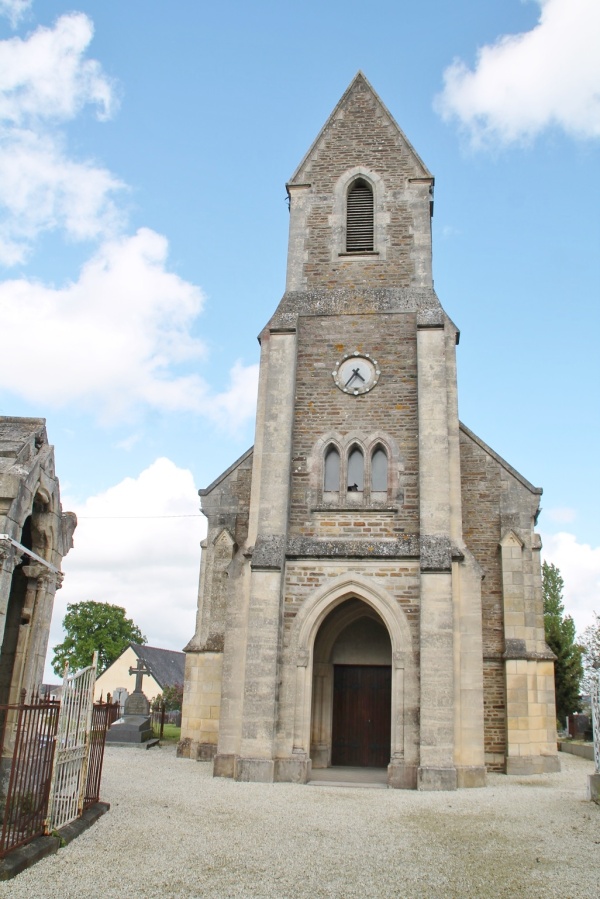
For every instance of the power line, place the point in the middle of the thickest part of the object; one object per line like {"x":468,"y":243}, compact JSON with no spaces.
{"x":131,"y":517}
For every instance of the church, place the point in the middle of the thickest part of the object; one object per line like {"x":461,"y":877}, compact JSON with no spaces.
{"x":370,"y":592}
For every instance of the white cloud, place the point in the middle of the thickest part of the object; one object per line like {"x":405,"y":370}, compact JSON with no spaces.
{"x":120,"y":337}
{"x":128,"y":443}
{"x":41,"y":189}
{"x":561,"y":514}
{"x":237,"y":404}
{"x":145,"y":563}
{"x":525,"y":83}
{"x":45,"y":80}
{"x":14,"y":10}
{"x":46,"y":77}
{"x":579,"y":565}
{"x":116,"y":339}
{"x":109,"y":339}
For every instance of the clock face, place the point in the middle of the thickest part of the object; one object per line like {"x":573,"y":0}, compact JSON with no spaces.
{"x":356,"y":373}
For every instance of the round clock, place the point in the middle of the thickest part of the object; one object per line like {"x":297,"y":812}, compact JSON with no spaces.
{"x":356,"y":373}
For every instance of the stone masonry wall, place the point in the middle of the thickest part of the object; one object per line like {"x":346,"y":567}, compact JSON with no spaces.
{"x":228,"y":504}
{"x":494,"y":709}
{"x":226,"y":507}
{"x":481,"y":487}
{"x":363,"y":133}
{"x":400,"y":579}
{"x":302,"y":577}
{"x":389,"y":410}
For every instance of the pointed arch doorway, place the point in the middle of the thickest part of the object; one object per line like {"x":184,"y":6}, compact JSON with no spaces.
{"x":352,"y":689}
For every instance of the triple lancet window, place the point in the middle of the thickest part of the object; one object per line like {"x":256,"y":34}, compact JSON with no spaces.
{"x":359,"y":217}
{"x":349,"y":475}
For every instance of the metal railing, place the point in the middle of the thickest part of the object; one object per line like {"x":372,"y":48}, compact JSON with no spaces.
{"x":157,"y":720}
{"x":35,"y":726}
{"x":30,"y":732}
{"x":103,"y":715}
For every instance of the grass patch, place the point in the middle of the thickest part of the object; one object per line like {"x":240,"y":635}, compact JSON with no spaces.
{"x":171,"y":733}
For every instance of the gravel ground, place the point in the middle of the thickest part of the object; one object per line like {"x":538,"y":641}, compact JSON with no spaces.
{"x":173,"y":831}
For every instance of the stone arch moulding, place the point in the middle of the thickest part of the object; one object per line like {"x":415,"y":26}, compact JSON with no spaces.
{"x":304,"y":631}
{"x":338,"y":217}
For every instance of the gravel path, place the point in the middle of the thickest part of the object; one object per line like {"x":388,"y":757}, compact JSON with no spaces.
{"x":175,"y":831}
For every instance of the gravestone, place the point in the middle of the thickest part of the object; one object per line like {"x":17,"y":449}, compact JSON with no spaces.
{"x":134,"y":726}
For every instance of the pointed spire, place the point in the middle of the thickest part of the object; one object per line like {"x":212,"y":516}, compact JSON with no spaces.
{"x":358,"y":87}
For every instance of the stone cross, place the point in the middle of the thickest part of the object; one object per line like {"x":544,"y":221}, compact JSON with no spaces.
{"x":140,"y":670}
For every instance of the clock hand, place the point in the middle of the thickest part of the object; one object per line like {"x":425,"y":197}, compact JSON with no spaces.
{"x":355,"y":374}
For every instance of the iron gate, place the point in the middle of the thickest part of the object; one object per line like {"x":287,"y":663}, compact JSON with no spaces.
{"x":69,"y":776}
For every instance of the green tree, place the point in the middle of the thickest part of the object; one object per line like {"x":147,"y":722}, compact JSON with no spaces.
{"x":590,"y":641}
{"x":172,"y":696}
{"x":91,"y":626}
{"x":560,"y":637}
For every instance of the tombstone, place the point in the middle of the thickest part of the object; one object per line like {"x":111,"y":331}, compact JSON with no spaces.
{"x":134,"y":727}
{"x":120,"y":695}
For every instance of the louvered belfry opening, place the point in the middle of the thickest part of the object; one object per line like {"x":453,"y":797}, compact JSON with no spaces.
{"x":359,"y":223}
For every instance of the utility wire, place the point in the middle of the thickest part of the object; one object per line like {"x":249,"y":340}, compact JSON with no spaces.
{"x":131,"y":517}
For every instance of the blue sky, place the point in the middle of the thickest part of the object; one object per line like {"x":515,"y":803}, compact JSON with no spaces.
{"x":143,"y":235}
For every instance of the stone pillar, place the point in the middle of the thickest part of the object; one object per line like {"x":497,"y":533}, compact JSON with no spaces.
{"x":201,"y":712}
{"x":469,"y":747}
{"x":299,"y":208}
{"x":320,"y":748}
{"x":9,"y":559}
{"x":268,"y":526}
{"x":437,"y":770}
{"x":25,"y":671}
{"x":529,"y":673}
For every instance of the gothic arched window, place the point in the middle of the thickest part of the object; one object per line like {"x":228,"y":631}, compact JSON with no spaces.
{"x":379,"y":470}
{"x":359,"y":217}
{"x":356,"y":470}
{"x":331,"y":474}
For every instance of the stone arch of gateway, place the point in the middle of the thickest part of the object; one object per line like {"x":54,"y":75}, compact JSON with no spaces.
{"x":348,"y":620}
{"x":355,"y":677}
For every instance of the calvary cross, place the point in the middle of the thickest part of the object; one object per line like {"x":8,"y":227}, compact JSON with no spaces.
{"x":141,"y":670}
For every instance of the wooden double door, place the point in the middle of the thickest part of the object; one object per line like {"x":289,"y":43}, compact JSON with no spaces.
{"x":362,"y":700}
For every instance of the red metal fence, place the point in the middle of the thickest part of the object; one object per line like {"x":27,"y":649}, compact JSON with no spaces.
{"x":26,"y":804}
{"x":103,"y":716}
{"x":157,"y":720}
{"x":34,"y":728}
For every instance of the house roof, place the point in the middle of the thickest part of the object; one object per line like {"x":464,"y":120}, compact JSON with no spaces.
{"x":167,"y":665}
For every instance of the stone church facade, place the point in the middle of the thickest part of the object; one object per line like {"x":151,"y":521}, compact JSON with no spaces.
{"x":370,"y":590}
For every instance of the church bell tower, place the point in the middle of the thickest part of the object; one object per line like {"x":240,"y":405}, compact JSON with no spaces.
{"x":340,"y":617}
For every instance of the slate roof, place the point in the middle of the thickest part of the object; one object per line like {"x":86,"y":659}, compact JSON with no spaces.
{"x":167,"y":665}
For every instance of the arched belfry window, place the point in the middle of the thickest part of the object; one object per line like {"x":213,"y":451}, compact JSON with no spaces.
{"x":379,"y":470}
{"x":356,"y":470}
{"x":331,"y":479}
{"x":359,"y":217}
